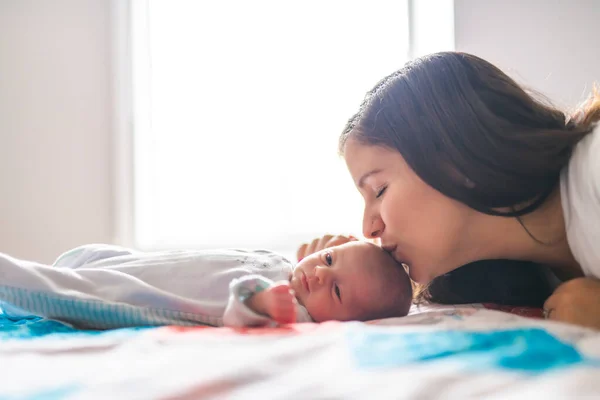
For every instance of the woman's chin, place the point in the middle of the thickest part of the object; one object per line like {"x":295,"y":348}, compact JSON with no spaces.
{"x":418,"y":275}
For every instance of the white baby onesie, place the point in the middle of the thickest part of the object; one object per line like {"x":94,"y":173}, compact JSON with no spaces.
{"x":102,"y":286}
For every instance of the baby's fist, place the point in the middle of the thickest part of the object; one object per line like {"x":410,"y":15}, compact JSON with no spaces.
{"x":280,"y":303}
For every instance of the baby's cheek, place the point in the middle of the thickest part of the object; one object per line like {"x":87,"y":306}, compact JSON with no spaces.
{"x":323,"y":308}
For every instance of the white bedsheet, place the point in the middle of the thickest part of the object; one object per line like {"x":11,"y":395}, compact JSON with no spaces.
{"x":443,"y":352}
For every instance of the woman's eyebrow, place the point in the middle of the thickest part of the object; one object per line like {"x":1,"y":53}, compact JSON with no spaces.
{"x":362,"y":179}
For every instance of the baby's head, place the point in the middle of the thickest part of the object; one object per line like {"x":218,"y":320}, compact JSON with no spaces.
{"x":354,"y":281}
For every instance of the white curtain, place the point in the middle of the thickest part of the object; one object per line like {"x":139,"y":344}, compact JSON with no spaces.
{"x":238,"y":109}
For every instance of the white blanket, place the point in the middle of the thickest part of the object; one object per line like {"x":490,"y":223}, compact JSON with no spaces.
{"x":448,"y":352}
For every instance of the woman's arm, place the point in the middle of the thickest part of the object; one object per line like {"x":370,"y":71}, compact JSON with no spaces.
{"x":577,"y":302}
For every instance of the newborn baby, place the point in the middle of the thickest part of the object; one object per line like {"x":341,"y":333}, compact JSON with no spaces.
{"x":103,"y":286}
{"x":353,"y":281}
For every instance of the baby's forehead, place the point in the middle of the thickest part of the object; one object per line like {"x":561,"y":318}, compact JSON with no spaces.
{"x":360,"y":248}
{"x":375,"y":265}
{"x":367,"y":254}
{"x":369,"y":268}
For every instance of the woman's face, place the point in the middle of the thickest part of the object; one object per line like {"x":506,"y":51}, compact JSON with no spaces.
{"x":420,"y":226}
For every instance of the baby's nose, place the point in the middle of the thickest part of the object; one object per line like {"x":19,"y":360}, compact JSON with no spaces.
{"x":321,"y":274}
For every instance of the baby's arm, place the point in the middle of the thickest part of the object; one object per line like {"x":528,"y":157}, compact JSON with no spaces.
{"x":258,"y":301}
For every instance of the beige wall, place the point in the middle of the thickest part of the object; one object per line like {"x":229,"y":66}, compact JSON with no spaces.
{"x":55,"y":126}
{"x":550,"y":45}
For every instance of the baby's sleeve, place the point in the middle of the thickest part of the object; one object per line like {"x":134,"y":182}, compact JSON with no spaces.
{"x":238,"y":314}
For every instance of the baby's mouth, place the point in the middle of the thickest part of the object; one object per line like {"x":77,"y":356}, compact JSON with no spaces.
{"x":304,"y":281}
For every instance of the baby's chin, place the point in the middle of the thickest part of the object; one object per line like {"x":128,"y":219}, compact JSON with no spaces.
{"x":317,"y":317}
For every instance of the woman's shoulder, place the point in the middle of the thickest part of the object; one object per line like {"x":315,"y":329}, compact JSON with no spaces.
{"x":580,"y":196}
{"x":583,"y":170}
{"x":587,"y":152}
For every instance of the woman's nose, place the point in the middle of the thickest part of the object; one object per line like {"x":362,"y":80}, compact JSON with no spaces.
{"x":373,"y":226}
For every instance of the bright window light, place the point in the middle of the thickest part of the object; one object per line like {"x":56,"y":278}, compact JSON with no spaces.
{"x":238,"y":109}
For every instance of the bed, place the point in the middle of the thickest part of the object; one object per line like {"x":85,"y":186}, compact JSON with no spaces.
{"x":435,"y":352}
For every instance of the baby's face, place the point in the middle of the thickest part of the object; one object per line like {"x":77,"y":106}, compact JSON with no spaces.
{"x":340,"y":283}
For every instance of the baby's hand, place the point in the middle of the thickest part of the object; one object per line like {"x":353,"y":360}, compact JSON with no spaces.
{"x":278,"y":302}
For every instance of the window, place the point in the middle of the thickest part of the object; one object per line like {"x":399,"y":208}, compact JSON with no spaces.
{"x":238,"y":106}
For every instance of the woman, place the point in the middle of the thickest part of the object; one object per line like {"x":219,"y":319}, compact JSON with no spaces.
{"x":458,"y":164}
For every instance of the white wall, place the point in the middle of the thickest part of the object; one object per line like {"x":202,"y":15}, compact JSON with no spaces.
{"x":55,"y":121}
{"x":56,"y":183}
{"x":550,"y":45}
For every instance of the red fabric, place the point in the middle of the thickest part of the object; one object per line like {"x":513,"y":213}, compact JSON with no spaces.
{"x":280,"y":330}
{"x":530,"y":312}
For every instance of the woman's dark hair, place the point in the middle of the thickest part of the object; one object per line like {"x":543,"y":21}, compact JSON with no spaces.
{"x":504,"y":282}
{"x":475,"y":135}
{"x":471,"y":132}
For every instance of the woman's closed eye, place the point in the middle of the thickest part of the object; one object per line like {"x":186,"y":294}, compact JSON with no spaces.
{"x":380,"y":192}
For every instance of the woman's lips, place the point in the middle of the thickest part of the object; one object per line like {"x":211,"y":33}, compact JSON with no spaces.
{"x":393,"y":251}
{"x":390,"y":248}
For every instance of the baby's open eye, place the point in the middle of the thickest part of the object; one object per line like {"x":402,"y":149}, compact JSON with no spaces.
{"x":328,"y":259}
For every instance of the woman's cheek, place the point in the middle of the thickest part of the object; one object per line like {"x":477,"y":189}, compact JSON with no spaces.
{"x":391,"y":211}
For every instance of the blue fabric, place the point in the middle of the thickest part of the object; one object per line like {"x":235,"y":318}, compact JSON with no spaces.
{"x":36,"y":328}
{"x":32,"y":328}
{"x":525,"y":350}
{"x":52,"y":394}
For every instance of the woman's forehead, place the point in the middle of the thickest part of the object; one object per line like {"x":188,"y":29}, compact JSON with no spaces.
{"x":367,"y":160}
{"x":360,"y":153}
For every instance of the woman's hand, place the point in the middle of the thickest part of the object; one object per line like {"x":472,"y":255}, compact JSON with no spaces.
{"x":577,"y":302}
{"x":322,"y":243}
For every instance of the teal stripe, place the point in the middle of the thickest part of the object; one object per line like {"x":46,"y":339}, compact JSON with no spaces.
{"x":93,"y":312}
